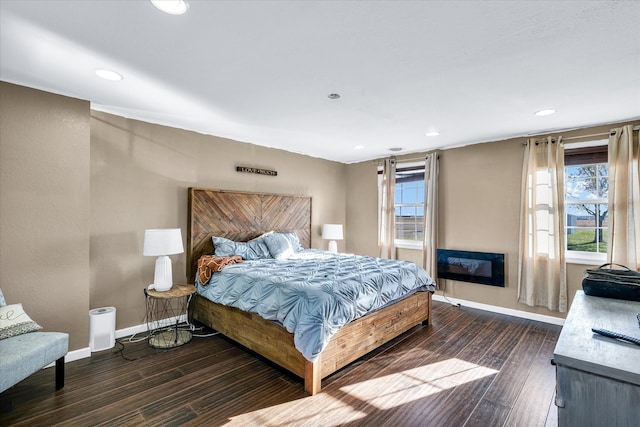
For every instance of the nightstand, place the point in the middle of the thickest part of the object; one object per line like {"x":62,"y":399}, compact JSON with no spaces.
{"x":165,"y":310}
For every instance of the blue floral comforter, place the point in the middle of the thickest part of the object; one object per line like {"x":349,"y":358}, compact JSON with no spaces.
{"x":314,"y":293}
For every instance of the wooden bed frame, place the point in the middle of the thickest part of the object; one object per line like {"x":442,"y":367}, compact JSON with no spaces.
{"x":241,"y":216}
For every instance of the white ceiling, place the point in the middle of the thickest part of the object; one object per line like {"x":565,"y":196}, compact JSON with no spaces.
{"x":260,"y":71}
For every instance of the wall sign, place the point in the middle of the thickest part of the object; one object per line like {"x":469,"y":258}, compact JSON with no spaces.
{"x":256,"y":170}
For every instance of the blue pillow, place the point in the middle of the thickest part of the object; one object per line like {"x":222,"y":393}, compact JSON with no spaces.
{"x":282,"y":245}
{"x":251,"y":250}
{"x":2,"y":301}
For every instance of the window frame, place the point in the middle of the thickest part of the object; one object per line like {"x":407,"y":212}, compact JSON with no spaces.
{"x":583,"y":154}
{"x":418,"y":167}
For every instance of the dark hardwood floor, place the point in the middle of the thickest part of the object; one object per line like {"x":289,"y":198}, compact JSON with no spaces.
{"x":468,"y":368}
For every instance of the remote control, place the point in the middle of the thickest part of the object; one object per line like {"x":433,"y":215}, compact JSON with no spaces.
{"x":616,"y":335}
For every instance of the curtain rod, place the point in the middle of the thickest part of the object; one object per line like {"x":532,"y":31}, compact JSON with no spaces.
{"x":596,"y":134}
{"x":412,"y":159}
{"x":593,"y":135}
{"x":553,"y":140}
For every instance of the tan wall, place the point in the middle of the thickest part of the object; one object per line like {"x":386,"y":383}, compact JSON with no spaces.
{"x":140,"y":173}
{"x":44,"y":208}
{"x":361,"y":231}
{"x":479,"y":211}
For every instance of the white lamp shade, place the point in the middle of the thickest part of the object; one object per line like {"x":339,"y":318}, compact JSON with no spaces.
{"x":332,"y":232}
{"x":162,"y":241}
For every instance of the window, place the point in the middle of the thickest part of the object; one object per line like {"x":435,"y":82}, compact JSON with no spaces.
{"x":409,"y":204}
{"x":586,"y":199}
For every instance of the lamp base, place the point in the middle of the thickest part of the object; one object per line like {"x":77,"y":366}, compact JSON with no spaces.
{"x":162,"y":277}
{"x":333,"y":246}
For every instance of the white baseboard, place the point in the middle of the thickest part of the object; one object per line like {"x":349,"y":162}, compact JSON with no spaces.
{"x":81,"y":353}
{"x":501,"y":310}
{"x":85,"y":352}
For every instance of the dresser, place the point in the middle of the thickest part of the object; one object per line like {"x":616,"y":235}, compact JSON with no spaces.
{"x":598,"y":378}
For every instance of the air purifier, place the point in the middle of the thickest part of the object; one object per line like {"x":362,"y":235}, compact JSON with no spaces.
{"x":102,"y":328}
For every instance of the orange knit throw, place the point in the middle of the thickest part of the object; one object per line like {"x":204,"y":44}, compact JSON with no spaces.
{"x":209,"y":264}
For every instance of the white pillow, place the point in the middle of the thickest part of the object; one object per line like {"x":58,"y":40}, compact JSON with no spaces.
{"x":14,"y":321}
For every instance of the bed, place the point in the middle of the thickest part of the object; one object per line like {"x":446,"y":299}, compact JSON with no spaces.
{"x":243,"y":216}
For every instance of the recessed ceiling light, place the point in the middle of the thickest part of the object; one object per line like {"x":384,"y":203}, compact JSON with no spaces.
{"x":334,"y":95}
{"x":108,"y":74}
{"x":395,"y":149}
{"x":545,"y":112}
{"x":172,"y":7}
{"x":433,"y":133}
{"x":358,"y":147}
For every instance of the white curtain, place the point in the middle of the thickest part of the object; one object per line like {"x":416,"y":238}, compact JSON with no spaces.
{"x":386,"y":234}
{"x":541,"y":270}
{"x":624,"y":197}
{"x":430,"y":239}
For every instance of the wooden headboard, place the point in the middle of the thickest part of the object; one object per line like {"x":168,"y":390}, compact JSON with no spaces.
{"x":241,"y":216}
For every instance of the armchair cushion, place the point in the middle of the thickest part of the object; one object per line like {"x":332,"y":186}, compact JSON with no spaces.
{"x":26,"y":354}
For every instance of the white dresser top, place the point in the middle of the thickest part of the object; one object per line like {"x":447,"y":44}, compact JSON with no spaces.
{"x":580,"y":348}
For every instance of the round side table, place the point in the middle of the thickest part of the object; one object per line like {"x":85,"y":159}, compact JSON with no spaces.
{"x":164,"y":312}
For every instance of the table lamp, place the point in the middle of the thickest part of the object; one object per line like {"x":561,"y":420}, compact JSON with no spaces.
{"x":332,"y":232}
{"x":161,"y":243}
